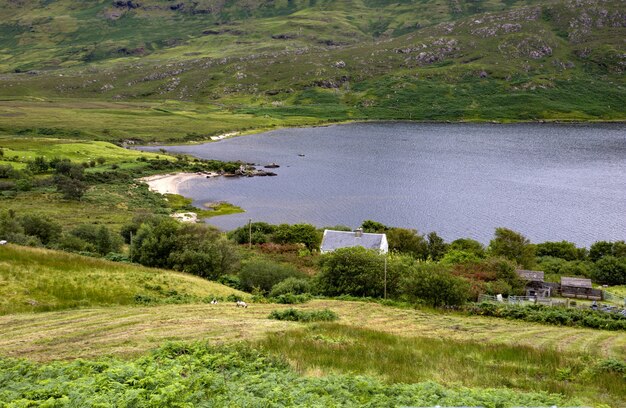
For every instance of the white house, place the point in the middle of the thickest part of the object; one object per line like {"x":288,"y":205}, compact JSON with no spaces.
{"x":344,"y":239}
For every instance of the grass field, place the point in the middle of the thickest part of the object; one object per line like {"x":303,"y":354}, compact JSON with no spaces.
{"x":59,"y":306}
{"x":35,"y":280}
{"x":389,"y":343}
{"x":27,"y":148}
{"x":137,"y":329}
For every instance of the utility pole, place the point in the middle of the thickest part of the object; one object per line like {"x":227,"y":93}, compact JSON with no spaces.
{"x":250,"y":233}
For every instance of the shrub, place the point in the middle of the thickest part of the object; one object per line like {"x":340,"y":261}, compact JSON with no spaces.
{"x":290,"y":299}
{"x":610,"y":270}
{"x":357,"y":272}
{"x":41,"y":227}
{"x":231,"y":281}
{"x":434,"y":285}
{"x":264,"y":274}
{"x":291,"y":285}
{"x":294,"y":315}
{"x":305,"y":234}
{"x":558,"y":316}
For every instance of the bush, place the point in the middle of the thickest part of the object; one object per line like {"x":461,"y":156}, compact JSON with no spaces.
{"x":558,"y":316}
{"x":305,"y":234}
{"x":41,"y":227}
{"x":357,"y":272}
{"x":434,"y":285}
{"x":261,"y":232}
{"x":294,"y":315}
{"x":264,"y":275}
{"x":290,"y":299}
{"x":291,"y":285}
{"x":231,"y":281}
{"x":100,"y":238}
{"x":610,"y":270}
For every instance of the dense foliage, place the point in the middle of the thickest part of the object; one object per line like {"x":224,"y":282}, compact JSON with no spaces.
{"x":193,"y":248}
{"x":263,"y":275}
{"x":559,"y":316}
{"x":295,"y":315}
{"x":434,"y":285}
{"x":183,"y":375}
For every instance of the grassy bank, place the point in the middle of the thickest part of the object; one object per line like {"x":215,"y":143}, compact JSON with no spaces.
{"x":343,"y":349}
{"x":186,"y":375}
{"x":36,"y":280}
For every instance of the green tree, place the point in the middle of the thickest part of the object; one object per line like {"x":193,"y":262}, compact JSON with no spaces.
{"x":407,"y":241}
{"x":456,"y":256}
{"x":358,"y":272}
{"x":71,"y":189}
{"x":305,"y":234}
{"x":41,"y":227}
{"x":373,"y":227}
{"x":437,"y":247}
{"x":563,"y":249}
{"x":261,"y":233}
{"x":38,"y":165}
{"x":601,"y":249}
{"x":434,"y":285}
{"x":153,"y":244}
{"x":610,"y":270}
{"x":263,"y":274}
{"x":468,"y":245}
{"x":514,"y":246}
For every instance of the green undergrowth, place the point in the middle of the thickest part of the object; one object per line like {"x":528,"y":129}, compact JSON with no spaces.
{"x":335,"y":348}
{"x":558,"y":316}
{"x":37,"y":280}
{"x":294,"y":315}
{"x":197,"y":375}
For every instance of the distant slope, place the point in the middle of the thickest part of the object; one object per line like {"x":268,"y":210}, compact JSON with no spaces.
{"x":286,"y":62}
{"x":36,"y":280}
{"x":38,"y":34}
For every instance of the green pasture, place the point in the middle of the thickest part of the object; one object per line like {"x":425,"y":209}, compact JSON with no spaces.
{"x":36,"y":280}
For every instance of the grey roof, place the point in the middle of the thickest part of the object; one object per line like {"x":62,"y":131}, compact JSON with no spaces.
{"x":342,"y":239}
{"x":533,"y":276}
{"x":576,"y":282}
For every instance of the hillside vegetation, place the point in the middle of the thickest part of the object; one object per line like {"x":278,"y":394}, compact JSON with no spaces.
{"x":212,"y":67}
{"x":35,"y":280}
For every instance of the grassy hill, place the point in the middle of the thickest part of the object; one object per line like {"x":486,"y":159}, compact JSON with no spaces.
{"x":184,"y":71}
{"x":35,"y":280}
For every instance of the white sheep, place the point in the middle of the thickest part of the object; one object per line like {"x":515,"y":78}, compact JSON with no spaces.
{"x":241,"y":303}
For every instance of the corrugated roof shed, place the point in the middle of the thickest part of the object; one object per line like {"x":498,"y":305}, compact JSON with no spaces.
{"x":345,"y":239}
{"x":576,"y":282}
{"x":533,"y":276}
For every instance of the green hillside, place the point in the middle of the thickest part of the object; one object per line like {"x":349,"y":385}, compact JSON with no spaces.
{"x":37,"y":280}
{"x":114,"y":70}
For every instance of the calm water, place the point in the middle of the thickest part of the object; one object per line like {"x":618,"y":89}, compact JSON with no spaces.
{"x":550,"y":182}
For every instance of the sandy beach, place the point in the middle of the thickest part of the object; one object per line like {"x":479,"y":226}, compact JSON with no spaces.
{"x":169,"y":183}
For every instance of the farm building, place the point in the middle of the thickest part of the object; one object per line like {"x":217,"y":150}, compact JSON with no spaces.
{"x":579,"y":288}
{"x":333,"y":240}
{"x":535,"y":284}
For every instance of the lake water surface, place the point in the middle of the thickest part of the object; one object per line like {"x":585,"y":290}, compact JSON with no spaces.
{"x":549,"y":182}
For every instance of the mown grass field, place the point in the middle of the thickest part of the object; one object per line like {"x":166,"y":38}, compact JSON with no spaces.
{"x":396,"y":345}
{"x":59,"y":306}
{"x":36,"y":280}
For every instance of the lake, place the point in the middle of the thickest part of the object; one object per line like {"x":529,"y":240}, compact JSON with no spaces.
{"x":548,"y":181}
